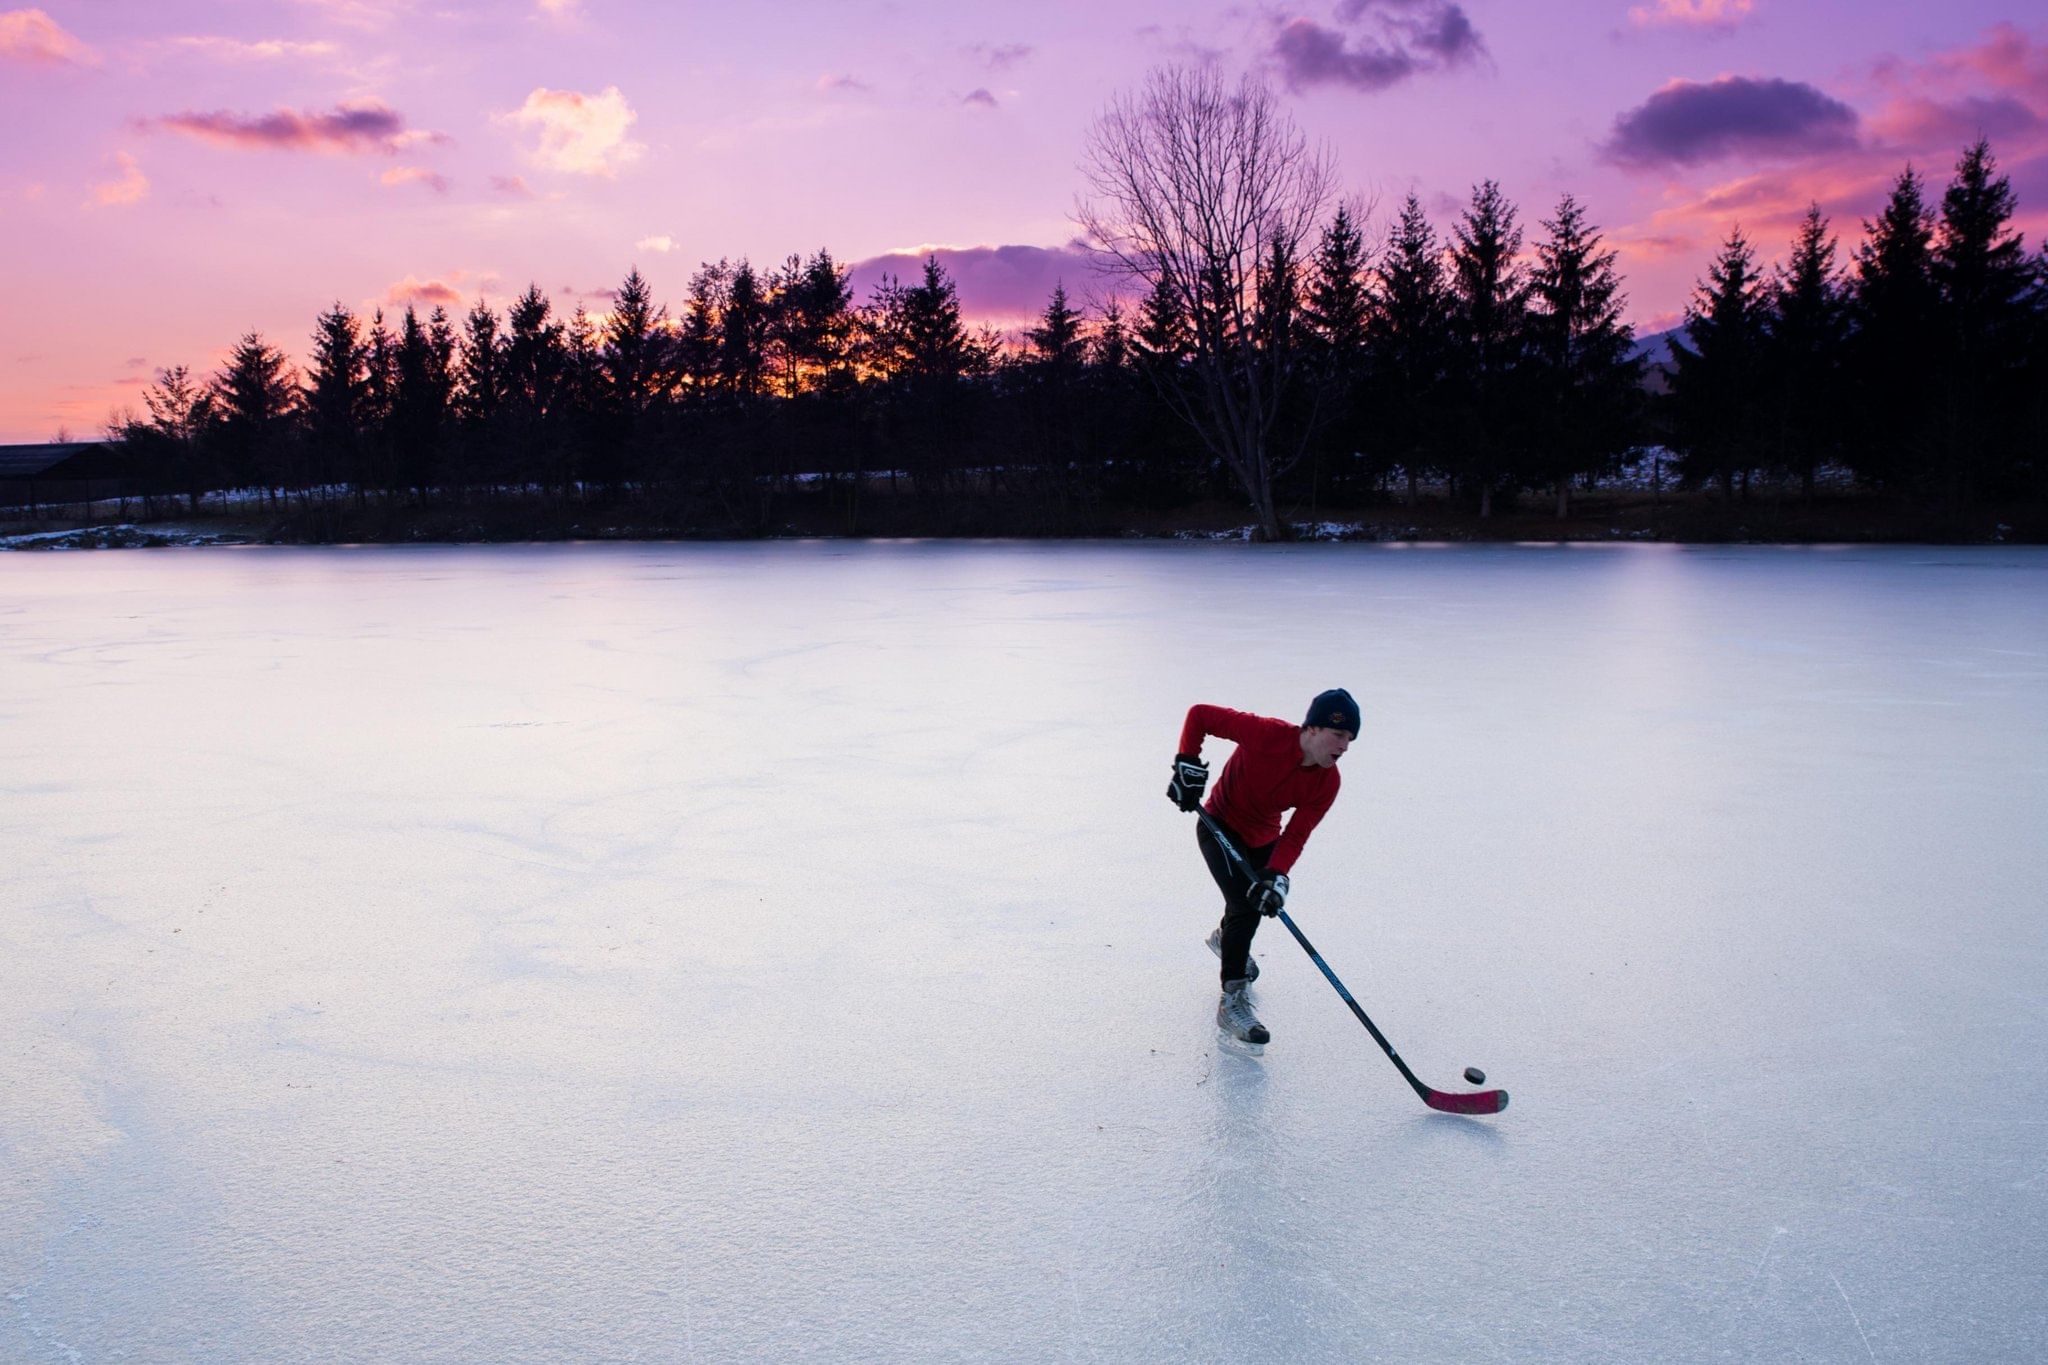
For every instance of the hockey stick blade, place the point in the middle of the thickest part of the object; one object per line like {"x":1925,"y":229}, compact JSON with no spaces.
{"x":1478,"y":1102}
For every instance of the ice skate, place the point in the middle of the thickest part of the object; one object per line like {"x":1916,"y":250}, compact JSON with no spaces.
{"x":1234,"y":1016}
{"x":1251,"y":968}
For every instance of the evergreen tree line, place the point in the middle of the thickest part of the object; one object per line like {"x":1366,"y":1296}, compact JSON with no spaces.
{"x":1463,"y":361}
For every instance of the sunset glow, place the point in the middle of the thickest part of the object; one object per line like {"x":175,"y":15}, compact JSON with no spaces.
{"x":182,"y":173}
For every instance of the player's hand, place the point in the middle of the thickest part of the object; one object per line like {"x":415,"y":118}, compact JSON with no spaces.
{"x":1190,"y":780}
{"x":1269,"y":893}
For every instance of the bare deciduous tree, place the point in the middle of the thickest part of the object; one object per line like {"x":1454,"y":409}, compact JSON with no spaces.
{"x":1197,"y":187}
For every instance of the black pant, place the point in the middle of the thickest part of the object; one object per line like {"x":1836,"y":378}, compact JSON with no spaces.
{"x":1240,"y":921}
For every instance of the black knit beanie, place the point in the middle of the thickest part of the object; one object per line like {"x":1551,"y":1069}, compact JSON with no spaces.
{"x":1334,"y":710}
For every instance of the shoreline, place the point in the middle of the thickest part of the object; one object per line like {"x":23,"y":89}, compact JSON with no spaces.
{"x":202,"y":533}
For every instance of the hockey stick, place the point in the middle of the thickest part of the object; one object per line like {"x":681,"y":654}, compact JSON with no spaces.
{"x":1476,"y":1102}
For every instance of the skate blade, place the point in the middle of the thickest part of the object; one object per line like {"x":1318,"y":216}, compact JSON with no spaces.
{"x":1230,"y":1042}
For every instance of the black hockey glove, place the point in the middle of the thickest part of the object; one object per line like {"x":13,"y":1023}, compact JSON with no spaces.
{"x":1190,"y":780}
{"x":1269,"y":893}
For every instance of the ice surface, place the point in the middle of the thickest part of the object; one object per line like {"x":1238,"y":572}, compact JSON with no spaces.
{"x":702,"y":952}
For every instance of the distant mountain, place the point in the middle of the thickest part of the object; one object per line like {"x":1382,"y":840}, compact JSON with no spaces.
{"x":1656,"y":347}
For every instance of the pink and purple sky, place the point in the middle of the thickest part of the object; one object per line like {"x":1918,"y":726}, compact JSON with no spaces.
{"x":177,"y":173}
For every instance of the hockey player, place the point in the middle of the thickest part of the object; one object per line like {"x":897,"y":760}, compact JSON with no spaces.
{"x":1277,"y":767}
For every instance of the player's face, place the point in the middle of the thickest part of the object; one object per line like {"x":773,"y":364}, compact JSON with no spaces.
{"x":1324,"y":746}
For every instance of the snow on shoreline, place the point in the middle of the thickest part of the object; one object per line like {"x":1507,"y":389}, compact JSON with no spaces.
{"x":124,"y":535}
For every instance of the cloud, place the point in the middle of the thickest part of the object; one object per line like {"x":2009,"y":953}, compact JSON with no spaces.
{"x":664,"y":245}
{"x":235,"y":50}
{"x":33,"y":38}
{"x":1924,"y":112}
{"x":584,"y":134}
{"x":366,"y":126}
{"x":980,"y":97}
{"x":1000,"y":58}
{"x":1406,"y":38}
{"x":365,"y":14}
{"x":412,"y":289}
{"x":1997,"y":88}
{"x":1687,"y":123}
{"x":2008,"y":59}
{"x":853,"y":84}
{"x":1715,"y":15}
{"x":514,"y":185}
{"x":131,"y":187}
{"x":560,"y":9}
{"x":1650,"y":246}
{"x":1002,"y":285}
{"x":415,"y":175}
{"x":1914,"y":121}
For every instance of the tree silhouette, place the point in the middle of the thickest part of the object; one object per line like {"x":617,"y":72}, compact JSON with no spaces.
{"x":1490,"y":330}
{"x":534,"y":365}
{"x":167,"y":447}
{"x":1979,"y":264}
{"x":1719,"y":376}
{"x":1894,"y":303}
{"x":743,"y":333}
{"x":1333,"y":318}
{"x":1584,"y":384}
{"x":337,"y":393}
{"x":420,"y":400}
{"x":1194,"y":184}
{"x":255,"y":402}
{"x":1409,"y":335}
{"x":1808,"y":331}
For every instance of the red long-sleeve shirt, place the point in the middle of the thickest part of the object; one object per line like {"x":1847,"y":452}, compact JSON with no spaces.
{"x":1262,"y":780}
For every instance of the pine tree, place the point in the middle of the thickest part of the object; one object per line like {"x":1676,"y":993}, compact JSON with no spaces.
{"x":380,"y":385}
{"x":1717,"y":385}
{"x":2030,"y":448}
{"x":1809,"y":330}
{"x":532,"y":364}
{"x":482,"y":389}
{"x":1058,"y":345}
{"x":1583,"y":380}
{"x":916,"y":331}
{"x":1490,"y":309}
{"x":1277,"y":321}
{"x":531,"y":382}
{"x":699,"y":341}
{"x":743,"y":326}
{"x":167,"y":446}
{"x":1980,"y":266}
{"x":631,"y":362}
{"x":1163,"y":342}
{"x":1410,"y":327}
{"x":419,"y":404}
{"x":583,"y":409}
{"x":255,"y":398}
{"x":337,"y":393}
{"x":178,"y":406}
{"x":810,"y":323}
{"x":936,"y":343}
{"x":829,"y":323}
{"x":1893,"y":307}
{"x":1109,"y":351}
{"x":915,"y":341}
{"x":1336,"y":305}
{"x":1297,"y":382}
{"x":442,"y":348}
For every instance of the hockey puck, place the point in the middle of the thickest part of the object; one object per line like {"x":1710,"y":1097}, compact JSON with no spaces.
{"x":1475,"y":1075}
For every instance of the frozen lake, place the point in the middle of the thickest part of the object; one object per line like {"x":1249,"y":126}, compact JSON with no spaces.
{"x":713,"y":952}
